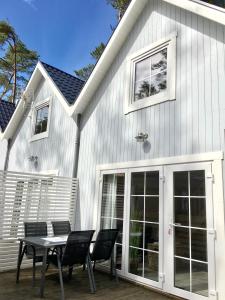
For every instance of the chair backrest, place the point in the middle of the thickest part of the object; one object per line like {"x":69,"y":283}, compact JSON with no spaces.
{"x":35,"y":229}
{"x":61,"y":227}
{"x":77,"y":247}
{"x":104,"y":244}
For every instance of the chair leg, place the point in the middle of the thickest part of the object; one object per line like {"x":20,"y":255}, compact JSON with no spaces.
{"x":34,"y":271}
{"x":19,"y":261}
{"x":70,"y":272}
{"x":60,"y":277}
{"x":91,"y":275}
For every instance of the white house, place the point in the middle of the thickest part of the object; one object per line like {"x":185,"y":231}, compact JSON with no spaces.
{"x":160,"y":81}
{"x":41,"y":137}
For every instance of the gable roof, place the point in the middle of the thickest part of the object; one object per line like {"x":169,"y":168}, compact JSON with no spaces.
{"x":69,"y":85}
{"x":201,"y":8}
{"x":6,"y":111}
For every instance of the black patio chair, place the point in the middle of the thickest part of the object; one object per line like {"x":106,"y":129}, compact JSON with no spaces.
{"x":32,"y":229}
{"x":75,"y":252}
{"x":61,"y":227}
{"x":103,"y":248}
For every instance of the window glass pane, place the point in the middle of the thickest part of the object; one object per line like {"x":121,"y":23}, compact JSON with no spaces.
{"x":118,"y":224}
{"x":152,"y":209}
{"x":151,"y":265}
{"x":136,"y":234}
{"x":142,"y":89}
{"x":152,"y":183}
{"x":108,"y":184}
{"x":199,"y":244}
{"x":108,"y":204}
{"x":137,"y":184}
{"x":119,"y":207}
{"x":159,"y":62}
{"x":135,"y":261}
{"x":181,"y":183}
{"x":158,"y":83}
{"x":198,"y":212}
{"x":41,"y":120}
{"x":220,"y":3}
{"x":181,"y":211}
{"x":152,"y":237}
{"x":197,"y":183}
{"x":182,"y":274}
{"x":118,"y":256}
{"x":142,"y":69}
{"x":182,"y":242}
{"x":200,"y":278}
{"x":137,"y":208}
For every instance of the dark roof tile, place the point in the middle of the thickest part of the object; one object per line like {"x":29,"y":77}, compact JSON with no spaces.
{"x":6,"y":111}
{"x":69,"y":85}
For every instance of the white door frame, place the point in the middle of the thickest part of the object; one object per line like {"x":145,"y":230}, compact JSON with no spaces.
{"x":169,"y":231}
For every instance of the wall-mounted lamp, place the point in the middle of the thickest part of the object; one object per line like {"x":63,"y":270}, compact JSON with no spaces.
{"x":141,"y":137}
{"x":33,"y":158}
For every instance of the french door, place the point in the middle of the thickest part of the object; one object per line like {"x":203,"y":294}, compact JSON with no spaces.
{"x":165,"y":217}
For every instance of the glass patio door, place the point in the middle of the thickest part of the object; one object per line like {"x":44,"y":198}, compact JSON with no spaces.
{"x":144,"y":226}
{"x":190,"y":233}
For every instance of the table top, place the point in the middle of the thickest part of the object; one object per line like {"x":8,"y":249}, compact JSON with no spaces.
{"x":45,"y":241}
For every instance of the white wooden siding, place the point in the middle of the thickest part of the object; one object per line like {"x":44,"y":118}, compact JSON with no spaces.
{"x":55,"y":152}
{"x":194,"y":123}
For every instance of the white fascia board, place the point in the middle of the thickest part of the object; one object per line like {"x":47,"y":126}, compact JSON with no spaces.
{"x":201,"y":8}
{"x":111,"y":50}
{"x":54,"y":87}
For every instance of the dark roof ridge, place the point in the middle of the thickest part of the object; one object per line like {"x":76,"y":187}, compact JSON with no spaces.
{"x":42,"y":62}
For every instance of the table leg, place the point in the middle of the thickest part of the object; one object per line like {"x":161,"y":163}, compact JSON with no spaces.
{"x":19,"y":260}
{"x":43,"y":270}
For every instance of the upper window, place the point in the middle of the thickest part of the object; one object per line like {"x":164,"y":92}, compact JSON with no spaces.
{"x":41,"y":120}
{"x":220,"y":3}
{"x":152,"y":75}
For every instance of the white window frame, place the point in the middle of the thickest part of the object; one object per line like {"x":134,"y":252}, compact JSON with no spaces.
{"x":170,"y":92}
{"x":39,"y":105}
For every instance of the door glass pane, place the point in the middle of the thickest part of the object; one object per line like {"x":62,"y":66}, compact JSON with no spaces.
{"x":151,"y":237}
{"x":197,"y":183}
{"x":137,"y":184}
{"x":199,"y":245}
{"x":112,"y":207}
{"x":181,"y":213}
{"x":182,"y":242}
{"x":152,"y":209}
{"x":198,"y":212}
{"x":190,"y":241}
{"x":136,"y":261}
{"x":200,"y":278}
{"x":137,"y":208}
{"x":182,"y":274}
{"x":152,"y":183}
{"x":144,"y":225}
{"x":151,"y":265}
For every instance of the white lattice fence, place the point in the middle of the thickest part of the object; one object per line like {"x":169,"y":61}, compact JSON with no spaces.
{"x":31,"y":197}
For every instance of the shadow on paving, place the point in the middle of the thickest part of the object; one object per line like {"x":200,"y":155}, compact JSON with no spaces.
{"x":77,"y":288}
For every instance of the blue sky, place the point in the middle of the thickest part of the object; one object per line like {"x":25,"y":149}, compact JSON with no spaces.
{"x":63,"y":32}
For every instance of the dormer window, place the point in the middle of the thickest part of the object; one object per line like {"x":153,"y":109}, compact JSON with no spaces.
{"x":152,"y":75}
{"x":41,"y":120}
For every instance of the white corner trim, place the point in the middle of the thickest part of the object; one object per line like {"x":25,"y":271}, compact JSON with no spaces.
{"x":38,"y":105}
{"x":202,"y":157}
{"x":169,"y":93}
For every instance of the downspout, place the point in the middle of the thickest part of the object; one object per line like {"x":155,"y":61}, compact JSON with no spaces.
{"x":77,"y":146}
{"x":7,"y":154}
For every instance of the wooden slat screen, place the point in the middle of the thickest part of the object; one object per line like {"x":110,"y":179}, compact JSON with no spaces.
{"x":31,"y":197}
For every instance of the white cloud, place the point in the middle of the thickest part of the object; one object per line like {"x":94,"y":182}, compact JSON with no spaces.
{"x":31,"y":3}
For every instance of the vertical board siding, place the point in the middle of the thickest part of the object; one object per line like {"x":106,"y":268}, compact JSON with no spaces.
{"x":55,"y":152}
{"x":193,"y":123}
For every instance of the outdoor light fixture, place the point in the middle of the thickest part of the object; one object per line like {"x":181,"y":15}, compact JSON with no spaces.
{"x":141,"y":137}
{"x":33,"y":158}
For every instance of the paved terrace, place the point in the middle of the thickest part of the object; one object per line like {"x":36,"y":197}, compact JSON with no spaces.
{"x":77,"y":288}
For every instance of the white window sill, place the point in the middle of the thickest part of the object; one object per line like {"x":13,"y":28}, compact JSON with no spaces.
{"x":39,"y":136}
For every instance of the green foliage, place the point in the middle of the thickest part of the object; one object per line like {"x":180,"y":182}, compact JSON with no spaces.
{"x":97,"y":52}
{"x":85,"y":72}
{"x":120,"y":6}
{"x":16,"y":62}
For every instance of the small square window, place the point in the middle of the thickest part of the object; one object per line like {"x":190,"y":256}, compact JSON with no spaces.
{"x":41,"y":120}
{"x":152,"y":75}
